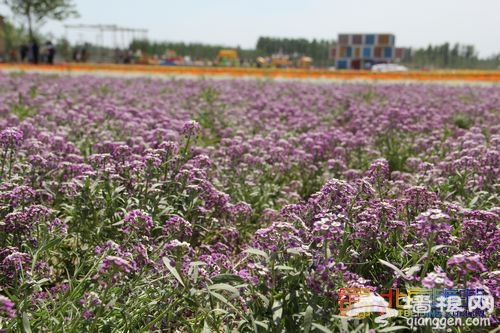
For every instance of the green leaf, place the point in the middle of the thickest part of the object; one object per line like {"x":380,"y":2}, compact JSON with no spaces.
{"x":224,"y":300}
{"x":197,"y":263}
{"x":173,"y":271}
{"x":394,"y":268}
{"x":225,"y":278}
{"x":321,"y":328}
{"x":473,"y":201}
{"x":206,"y":327}
{"x":193,"y":269}
{"x":224,"y":286}
{"x":261,"y":324}
{"x":293,"y":251}
{"x":308,"y":316}
{"x":26,"y":323}
{"x":264,"y":299}
{"x":257,"y":252}
{"x":393,"y":329}
{"x":436,"y":248}
{"x":277,"y":310}
{"x":439,"y":247}
{"x":42,"y":281}
{"x":284,"y":268}
{"x":219,"y":297}
{"x":412,"y":270}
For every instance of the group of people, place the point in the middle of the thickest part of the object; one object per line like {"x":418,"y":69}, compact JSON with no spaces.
{"x":35,"y":54}
{"x":126,"y":56}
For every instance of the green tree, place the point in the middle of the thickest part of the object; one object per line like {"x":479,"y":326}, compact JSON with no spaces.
{"x":13,"y":35}
{"x":35,"y":12}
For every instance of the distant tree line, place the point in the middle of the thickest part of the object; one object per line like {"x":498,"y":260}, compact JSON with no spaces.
{"x":445,"y":56}
{"x":266,"y":46}
{"x":448,"y":56}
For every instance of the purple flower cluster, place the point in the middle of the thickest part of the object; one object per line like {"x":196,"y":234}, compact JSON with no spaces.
{"x":113,"y":269}
{"x":328,"y":227}
{"x":437,"y":279}
{"x":177,"y":227}
{"x":191,"y":128}
{"x":23,"y":221}
{"x":7,"y":308}
{"x":137,"y":221}
{"x":89,"y":302}
{"x":11,"y":137}
{"x":432,"y":225}
{"x":14,"y":263}
{"x":467,"y":263}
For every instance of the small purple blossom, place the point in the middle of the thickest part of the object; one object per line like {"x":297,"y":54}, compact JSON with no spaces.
{"x":177,"y":227}
{"x":137,"y":221}
{"x":433,"y":223}
{"x":113,"y":269}
{"x":437,"y":279}
{"x":466,"y":263}
{"x":7,"y":308}
{"x":56,"y":225}
{"x":11,"y":137}
{"x":191,"y":128}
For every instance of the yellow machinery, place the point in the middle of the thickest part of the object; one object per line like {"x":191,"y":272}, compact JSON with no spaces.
{"x":304,"y":62}
{"x":276,"y":61}
{"x":280,"y":61}
{"x":227,"y":57}
{"x":284,"y":61}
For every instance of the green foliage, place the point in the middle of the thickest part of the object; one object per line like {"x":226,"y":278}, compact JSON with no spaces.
{"x":318,"y":50}
{"x":23,"y":111}
{"x":396,"y":148}
{"x":447,"y":56}
{"x":13,"y":35}
{"x":462,"y":121}
{"x":37,"y":11}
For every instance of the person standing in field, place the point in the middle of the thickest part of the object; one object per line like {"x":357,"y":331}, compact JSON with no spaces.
{"x":51,"y":52}
{"x":43,"y":53}
{"x":33,"y":52}
{"x":23,"y":51}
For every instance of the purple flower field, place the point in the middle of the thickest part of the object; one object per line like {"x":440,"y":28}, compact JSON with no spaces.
{"x":140,"y":205}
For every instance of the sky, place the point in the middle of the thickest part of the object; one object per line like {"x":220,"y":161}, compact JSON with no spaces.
{"x":241,"y":22}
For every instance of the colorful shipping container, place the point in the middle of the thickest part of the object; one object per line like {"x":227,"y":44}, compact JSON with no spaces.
{"x":361,"y":51}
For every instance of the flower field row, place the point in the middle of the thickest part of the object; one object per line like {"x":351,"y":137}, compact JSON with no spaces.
{"x":137,"y":205}
{"x":290,"y":73}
